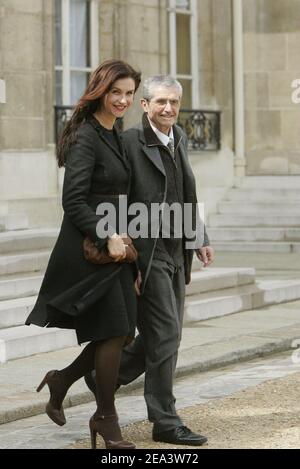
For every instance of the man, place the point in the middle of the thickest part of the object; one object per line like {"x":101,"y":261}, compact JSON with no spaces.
{"x":157,"y":150}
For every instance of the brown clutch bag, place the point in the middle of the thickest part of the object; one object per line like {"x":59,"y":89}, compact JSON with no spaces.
{"x":92,"y":254}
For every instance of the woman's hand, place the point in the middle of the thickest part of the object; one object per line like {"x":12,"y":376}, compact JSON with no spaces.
{"x":116,"y":247}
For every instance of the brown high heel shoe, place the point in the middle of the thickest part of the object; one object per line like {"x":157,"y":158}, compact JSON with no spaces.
{"x":54,"y":383}
{"x":106,"y":425}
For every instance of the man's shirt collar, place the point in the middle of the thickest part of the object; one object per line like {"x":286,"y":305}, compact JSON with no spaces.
{"x":160,"y":135}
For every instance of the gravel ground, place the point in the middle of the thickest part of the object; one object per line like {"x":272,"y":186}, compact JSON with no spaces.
{"x":264,"y":416}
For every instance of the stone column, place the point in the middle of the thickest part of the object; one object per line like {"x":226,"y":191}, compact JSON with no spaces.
{"x":239,"y":107}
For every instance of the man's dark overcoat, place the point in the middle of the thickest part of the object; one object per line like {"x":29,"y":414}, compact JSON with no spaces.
{"x":149,"y":185}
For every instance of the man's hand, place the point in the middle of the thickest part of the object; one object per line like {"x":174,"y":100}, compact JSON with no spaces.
{"x":206,"y":255}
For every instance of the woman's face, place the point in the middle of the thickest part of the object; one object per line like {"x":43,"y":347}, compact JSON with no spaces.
{"x":119,"y":98}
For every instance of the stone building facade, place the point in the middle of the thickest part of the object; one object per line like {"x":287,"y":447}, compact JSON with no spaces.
{"x":48,"y":48}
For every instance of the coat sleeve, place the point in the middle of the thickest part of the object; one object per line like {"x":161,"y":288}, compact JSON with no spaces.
{"x":79,"y":167}
{"x":206,"y":241}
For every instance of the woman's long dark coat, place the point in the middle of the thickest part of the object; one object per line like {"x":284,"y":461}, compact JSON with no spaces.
{"x":97,"y":301}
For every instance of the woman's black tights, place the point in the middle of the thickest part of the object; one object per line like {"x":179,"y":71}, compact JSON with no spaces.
{"x":104,"y":357}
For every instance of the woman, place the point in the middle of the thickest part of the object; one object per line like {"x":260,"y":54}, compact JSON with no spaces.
{"x":98,"y":301}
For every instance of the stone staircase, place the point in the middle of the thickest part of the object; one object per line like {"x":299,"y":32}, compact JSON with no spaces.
{"x":260,"y":214}
{"x":23,"y":258}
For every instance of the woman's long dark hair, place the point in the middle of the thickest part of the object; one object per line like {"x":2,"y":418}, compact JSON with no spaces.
{"x":101,"y":81}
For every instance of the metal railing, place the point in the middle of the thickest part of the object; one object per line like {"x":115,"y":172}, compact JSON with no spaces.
{"x":203,"y":128}
{"x":61,"y":116}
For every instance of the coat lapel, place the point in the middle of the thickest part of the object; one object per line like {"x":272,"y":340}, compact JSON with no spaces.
{"x":152,"y":152}
{"x":150,"y":144}
{"x":190,"y":185}
{"x":120,"y":154}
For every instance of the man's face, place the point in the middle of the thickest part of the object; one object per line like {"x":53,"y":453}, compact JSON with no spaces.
{"x":163,"y":108}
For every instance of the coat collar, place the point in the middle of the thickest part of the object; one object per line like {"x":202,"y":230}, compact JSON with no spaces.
{"x":151,"y":143}
{"x":101,"y":132}
{"x":151,"y":137}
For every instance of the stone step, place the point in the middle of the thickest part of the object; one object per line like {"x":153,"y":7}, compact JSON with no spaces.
{"x":40,"y":212}
{"x":285,"y":208}
{"x":14,"y":312}
{"x":268,"y":182}
{"x":31,"y":261}
{"x":13,"y":222}
{"x":23,"y":341}
{"x":234,"y":300}
{"x":253,"y":234}
{"x":25,"y":285}
{"x":20,"y":286}
{"x":265,"y":195}
{"x":212,"y":279}
{"x":14,"y":308}
{"x":27,"y":240}
{"x":258,"y":246}
{"x":258,"y":220}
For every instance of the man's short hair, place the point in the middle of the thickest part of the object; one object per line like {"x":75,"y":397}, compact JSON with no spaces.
{"x":155,"y":81}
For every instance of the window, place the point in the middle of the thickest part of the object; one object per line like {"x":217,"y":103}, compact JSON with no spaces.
{"x":76,"y":47}
{"x":183,"y":40}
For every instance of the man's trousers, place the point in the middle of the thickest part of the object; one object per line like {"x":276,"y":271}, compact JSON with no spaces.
{"x":155,"y":350}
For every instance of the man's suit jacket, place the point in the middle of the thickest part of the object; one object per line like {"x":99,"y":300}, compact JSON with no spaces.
{"x":149,"y":185}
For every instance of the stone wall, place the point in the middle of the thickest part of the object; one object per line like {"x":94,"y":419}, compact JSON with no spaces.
{"x":26,"y":64}
{"x":272,"y":58}
{"x":27,"y":162}
{"x":135,"y":31}
{"x":215,"y":59}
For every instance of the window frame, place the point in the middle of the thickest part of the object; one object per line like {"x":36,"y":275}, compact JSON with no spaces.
{"x":192,"y":12}
{"x":66,"y":67}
